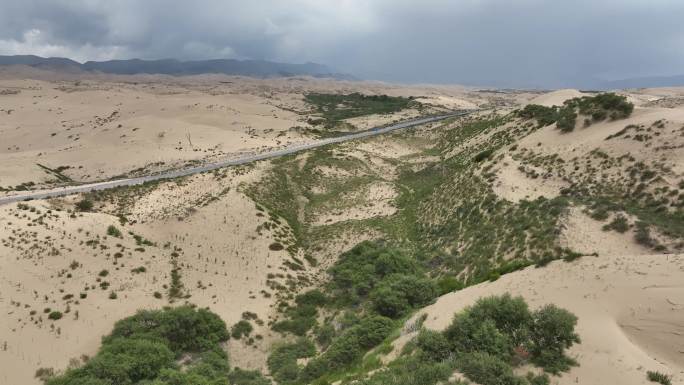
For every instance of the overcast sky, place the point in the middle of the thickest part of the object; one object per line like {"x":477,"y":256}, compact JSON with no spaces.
{"x":545,"y":43}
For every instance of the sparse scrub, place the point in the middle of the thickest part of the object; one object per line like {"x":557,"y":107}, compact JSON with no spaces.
{"x":112,"y":231}
{"x":85,"y":205}
{"x":619,"y":224}
{"x":658,"y":377}
{"x":599,"y":107}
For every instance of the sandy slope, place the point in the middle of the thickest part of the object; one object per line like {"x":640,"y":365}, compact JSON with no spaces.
{"x":630,"y":310}
{"x":556,"y":98}
{"x":212,"y":227}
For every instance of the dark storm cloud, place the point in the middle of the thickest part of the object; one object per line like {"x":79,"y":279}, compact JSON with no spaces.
{"x":489,"y":42}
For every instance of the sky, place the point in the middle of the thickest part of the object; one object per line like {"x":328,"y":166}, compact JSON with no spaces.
{"x":504,"y":43}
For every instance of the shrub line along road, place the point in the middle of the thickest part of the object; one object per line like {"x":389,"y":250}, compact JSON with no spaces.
{"x":68,"y":190}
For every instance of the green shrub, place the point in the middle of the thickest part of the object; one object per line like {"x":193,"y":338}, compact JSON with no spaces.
{"x":503,"y":321}
{"x":241,"y":329}
{"x":567,"y":118}
{"x":372,"y":330}
{"x":183,"y":328}
{"x":448,"y":284}
{"x":282,"y":362}
{"x":247,"y":377}
{"x":302,"y":317}
{"x":55,"y":315}
{"x":498,"y":332}
{"x":552,"y":331}
{"x":359,"y":269}
{"x":544,"y":115}
{"x":296,"y":326}
{"x":84,"y":205}
{"x":619,"y":224}
{"x":643,"y":234}
{"x":658,"y":377}
{"x":412,"y":370}
{"x":349,"y":347}
{"x":434,"y":345}
{"x":486,"y":369}
{"x":112,"y":231}
{"x":399,"y":293}
{"x":479,"y":157}
{"x":144,"y":348}
{"x":127,"y":361}
{"x":312,"y":298}
{"x":325,"y":335}
{"x":599,"y":107}
{"x":540,"y":379}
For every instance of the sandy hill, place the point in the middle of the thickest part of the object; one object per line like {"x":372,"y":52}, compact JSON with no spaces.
{"x":474,"y":202}
{"x":556,"y":98}
{"x":629,"y":309}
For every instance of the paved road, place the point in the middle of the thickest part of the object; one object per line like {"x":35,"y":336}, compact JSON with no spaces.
{"x":68,"y":190}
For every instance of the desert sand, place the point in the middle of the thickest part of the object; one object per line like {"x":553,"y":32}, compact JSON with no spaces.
{"x":99,"y":127}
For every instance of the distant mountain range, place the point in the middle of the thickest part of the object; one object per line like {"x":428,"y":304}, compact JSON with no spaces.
{"x":253,"y":68}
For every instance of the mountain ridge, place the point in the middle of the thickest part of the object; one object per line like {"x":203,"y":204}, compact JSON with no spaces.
{"x":174,"y":67}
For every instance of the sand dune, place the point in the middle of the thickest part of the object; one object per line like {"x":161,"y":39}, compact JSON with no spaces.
{"x":556,"y":98}
{"x":630,"y":310}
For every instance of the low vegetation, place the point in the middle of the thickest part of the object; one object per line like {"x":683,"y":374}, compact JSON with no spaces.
{"x":145,"y":349}
{"x":333,"y":108}
{"x":594,"y":108}
{"x":486,"y":342}
{"x":658,"y":377}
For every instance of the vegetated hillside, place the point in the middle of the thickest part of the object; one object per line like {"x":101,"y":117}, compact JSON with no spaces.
{"x":442,"y":198}
{"x":472,"y":200}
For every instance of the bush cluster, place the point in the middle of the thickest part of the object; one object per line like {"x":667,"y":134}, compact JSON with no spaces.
{"x":241,"y":329}
{"x":349,"y":347}
{"x":85,"y":205}
{"x":392,"y":281}
{"x":112,"y":231}
{"x":144,"y":349}
{"x":302,"y":317}
{"x":282,"y":363}
{"x":486,"y":342}
{"x":599,"y":107}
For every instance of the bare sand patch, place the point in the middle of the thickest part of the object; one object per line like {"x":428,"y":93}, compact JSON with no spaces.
{"x":585,"y":235}
{"x":374,"y":200}
{"x":514,"y":185}
{"x":556,"y":98}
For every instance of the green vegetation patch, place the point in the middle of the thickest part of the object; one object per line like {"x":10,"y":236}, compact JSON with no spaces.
{"x":145,"y":348}
{"x":334,"y":108}
{"x":486,"y":342}
{"x":596,"y":108}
